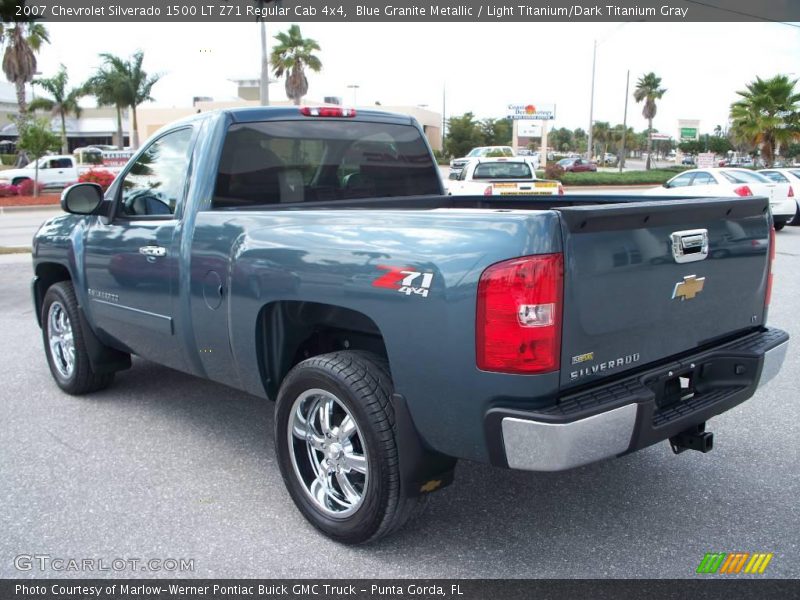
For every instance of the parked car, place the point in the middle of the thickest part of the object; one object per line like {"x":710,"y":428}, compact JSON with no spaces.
{"x":610,"y":160}
{"x":688,"y":159}
{"x":458,"y":163}
{"x":791,"y":176}
{"x":309,"y":255}
{"x":501,"y":177}
{"x":576,"y":165}
{"x":730,"y":182}
{"x":54,"y":171}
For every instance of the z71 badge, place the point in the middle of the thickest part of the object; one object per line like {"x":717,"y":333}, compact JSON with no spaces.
{"x":405,"y":280}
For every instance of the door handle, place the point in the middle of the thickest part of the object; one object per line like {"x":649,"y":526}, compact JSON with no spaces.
{"x":153,"y":251}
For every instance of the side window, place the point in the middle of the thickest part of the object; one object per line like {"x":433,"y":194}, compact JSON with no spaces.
{"x":154,"y":184}
{"x":60,"y":163}
{"x":681,"y":180}
{"x":703,"y":179}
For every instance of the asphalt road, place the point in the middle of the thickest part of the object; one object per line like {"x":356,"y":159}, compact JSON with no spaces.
{"x":163,"y":465}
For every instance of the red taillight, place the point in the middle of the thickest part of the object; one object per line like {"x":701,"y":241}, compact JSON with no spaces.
{"x":518,"y":327}
{"x":791,"y":192}
{"x":743,"y":191}
{"x":327,"y":111}
{"x":488,"y":191}
{"x":768,"y":295}
{"x":560,"y":190}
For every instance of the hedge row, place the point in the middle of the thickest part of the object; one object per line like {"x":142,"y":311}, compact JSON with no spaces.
{"x":652,"y":177}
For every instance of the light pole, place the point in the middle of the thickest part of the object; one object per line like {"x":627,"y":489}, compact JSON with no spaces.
{"x":354,"y":87}
{"x":624,"y":123}
{"x":589,"y":152}
{"x":263,"y":84}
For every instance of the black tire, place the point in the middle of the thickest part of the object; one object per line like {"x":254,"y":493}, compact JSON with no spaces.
{"x":361,"y":382}
{"x":780,"y":225}
{"x":80,"y":379}
{"x":795,"y":222}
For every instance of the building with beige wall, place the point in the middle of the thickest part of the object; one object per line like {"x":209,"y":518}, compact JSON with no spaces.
{"x":151,"y":120}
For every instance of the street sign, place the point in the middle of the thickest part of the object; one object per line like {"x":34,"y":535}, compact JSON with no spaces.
{"x":660,"y":136}
{"x":539,"y":112}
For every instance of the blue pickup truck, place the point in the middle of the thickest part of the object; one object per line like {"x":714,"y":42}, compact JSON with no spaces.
{"x":310,"y":256}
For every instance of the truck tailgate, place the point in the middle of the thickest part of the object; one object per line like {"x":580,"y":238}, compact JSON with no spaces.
{"x":649,"y":280}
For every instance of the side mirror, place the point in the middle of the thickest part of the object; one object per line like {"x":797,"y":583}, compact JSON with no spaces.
{"x":82,"y":198}
{"x":665,"y":184}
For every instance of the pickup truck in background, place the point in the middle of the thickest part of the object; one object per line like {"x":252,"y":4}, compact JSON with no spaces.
{"x":501,"y":177}
{"x":310,"y":255}
{"x":58,"y":171}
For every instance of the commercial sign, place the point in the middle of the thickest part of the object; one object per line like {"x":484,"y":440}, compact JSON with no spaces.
{"x":659,"y":136}
{"x":529,"y":129}
{"x":689,"y":134}
{"x":705,"y":160}
{"x":538,"y":112}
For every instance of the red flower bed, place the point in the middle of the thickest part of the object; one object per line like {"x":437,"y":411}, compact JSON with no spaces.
{"x":99,"y":176}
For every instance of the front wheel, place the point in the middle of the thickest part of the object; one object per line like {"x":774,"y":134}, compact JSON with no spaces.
{"x":780,"y":225}
{"x":336,"y":443}
{"x":64,"y":343}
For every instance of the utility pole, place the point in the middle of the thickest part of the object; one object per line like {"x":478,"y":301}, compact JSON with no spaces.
{"x":444,"y":116}
{"x":589,"y":151}
{"x":624,"y":123}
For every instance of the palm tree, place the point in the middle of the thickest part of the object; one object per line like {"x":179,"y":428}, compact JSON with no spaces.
{"x":109,"y":88}
{"x":62,"y":103}
{"x":648,"y":89}
{"x":292,"y":55}
{"x":601,"y":132}
{"x":23,"y":41}
{"x":767,"y":115}
{"x":134,"y":85}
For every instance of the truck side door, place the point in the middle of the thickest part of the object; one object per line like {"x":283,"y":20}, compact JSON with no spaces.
{"x":132,"y":263}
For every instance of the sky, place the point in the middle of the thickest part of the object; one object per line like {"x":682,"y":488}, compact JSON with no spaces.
{"x":482,"y":66}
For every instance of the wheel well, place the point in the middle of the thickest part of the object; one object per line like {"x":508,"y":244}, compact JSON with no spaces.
{"x":18,"y":180}
{"x":291,"y":331}
{"x":46,"y":275}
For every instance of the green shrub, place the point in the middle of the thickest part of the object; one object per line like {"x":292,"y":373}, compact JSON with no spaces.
{"x":554,"y":171}
{"x":8,"y":159}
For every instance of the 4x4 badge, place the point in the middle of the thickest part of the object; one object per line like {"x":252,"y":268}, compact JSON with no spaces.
{"x":405,"y":280}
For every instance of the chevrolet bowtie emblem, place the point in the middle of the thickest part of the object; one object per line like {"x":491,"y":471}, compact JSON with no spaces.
{"x":689,"y":287}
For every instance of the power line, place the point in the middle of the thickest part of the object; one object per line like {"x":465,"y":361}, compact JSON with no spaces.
{"x":741,"y":13}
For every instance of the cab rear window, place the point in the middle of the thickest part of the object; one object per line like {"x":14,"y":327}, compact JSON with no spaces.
{"x":502,"y":170}
{"x":290,"y":162}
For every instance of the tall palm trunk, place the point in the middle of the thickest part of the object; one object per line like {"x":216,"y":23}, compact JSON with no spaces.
{"x":64,"y":145}
{"x":120,"y":135}
{"x":649,"y":143}
{"x":134,"y":130}
{"x":23,"y":103}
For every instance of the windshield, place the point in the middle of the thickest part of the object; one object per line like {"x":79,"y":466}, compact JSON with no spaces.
{"x":282,"y":162}
{"x":502,"y":170}
{"x":565,"y":161}
{"x":476,"y":152}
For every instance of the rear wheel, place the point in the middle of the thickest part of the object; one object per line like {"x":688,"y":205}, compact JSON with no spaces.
{"x":795,"y":222}
{"x":64,"y":343}
{"x":336,"y":443}
{"x":780,"y":225}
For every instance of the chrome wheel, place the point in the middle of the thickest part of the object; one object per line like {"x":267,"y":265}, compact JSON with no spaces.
{"x":328,"y":452}
{"x":60,"y":339}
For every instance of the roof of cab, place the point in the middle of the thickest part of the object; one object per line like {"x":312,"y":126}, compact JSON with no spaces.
{"x":251,"y":114}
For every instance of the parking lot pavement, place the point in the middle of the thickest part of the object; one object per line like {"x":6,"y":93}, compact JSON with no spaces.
{"x":18,"y":225}
{"x":163,"y":465}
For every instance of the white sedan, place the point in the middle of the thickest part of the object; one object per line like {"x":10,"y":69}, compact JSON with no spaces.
{"x":723,"y":182}
{"x":790,"y":175}
{"x":514,"y":176}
